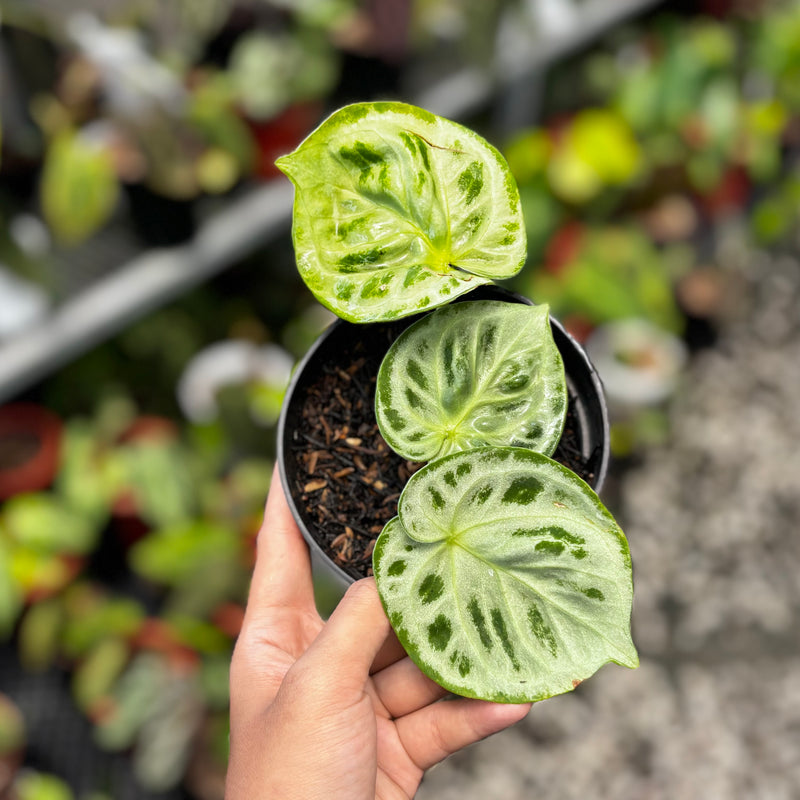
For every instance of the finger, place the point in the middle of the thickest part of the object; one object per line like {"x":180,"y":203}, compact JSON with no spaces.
{"x":282,"y":573}
{"x":403,"y":688}
{"x":353,"y":635}
{"x":391,"y":652}
{"x":435,"y":732}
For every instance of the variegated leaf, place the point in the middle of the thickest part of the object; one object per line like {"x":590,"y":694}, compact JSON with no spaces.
{"x":397,"y":210}
{"x":470,"y":374}
{"x":504,"y":576}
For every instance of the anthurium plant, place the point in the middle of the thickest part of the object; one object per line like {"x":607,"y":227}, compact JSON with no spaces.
{"x":503,"y":574}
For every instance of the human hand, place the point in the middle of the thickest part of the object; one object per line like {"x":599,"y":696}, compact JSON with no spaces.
{"x":333,"y":710}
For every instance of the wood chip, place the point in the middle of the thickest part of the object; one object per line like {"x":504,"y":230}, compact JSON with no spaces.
{"x":353,"y":441}
{"x":341,"y":539}
{"x":327,"y":429}
{"x":315,"y":486}
{"x":343,"y":472}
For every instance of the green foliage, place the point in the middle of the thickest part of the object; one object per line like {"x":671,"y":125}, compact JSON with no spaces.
{"x":269,"y":71}
{"x":93,"y":616}
{"x":178,"y":554}
{"x":95,"y":675}
{"x":155,"y":472}
{"x":615,"y":273}
{"x":471,"y":374}
{"x":79,"y":187}
{"x":39,"y":786}
{"x":596,"y":151}
{"x":398,"y":210}
{"x":11,"y":598}
{"x":504,"y":576}
{"x":44,"y":524}
{"x":156,"y":713}
{"x":39,"y":637}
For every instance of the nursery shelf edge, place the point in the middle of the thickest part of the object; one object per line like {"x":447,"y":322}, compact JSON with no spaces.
{"x":155,"y":277}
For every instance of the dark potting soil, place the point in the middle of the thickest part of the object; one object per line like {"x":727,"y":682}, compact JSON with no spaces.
{"x":348,"y":480}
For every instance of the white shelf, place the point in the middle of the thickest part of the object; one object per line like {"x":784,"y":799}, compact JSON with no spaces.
{"x":143,"y":284}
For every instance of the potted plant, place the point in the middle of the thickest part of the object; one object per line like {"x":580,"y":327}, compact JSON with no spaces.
{"x":502,"y":573}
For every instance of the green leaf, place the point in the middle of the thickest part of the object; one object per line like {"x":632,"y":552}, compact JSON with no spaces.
{"x":398,"y":210}
{"x":79,"y":188}
{"x":472,"y":374}
{"x":504,"y":576}
{"x":43,"y":523}
{"x":175,"y":555}
{"x":11,"y":599}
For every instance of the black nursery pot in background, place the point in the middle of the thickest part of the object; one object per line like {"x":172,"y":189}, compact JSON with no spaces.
{"x":341,"y":479}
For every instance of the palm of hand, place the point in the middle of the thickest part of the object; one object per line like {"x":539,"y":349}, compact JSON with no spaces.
{"x":333,"y":709}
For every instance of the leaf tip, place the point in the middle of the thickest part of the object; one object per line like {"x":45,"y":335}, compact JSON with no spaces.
{"x":284,"y":163}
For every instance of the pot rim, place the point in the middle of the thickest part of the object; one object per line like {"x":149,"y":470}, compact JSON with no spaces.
{"x":559,"y":332}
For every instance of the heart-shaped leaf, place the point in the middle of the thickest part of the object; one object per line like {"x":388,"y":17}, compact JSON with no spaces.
{"x":504,"y":576}
{"x":470,"y":374}
{"x":397,"y":210}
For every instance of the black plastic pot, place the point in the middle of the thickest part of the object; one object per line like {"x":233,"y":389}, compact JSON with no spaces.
{"x":336,"y":344}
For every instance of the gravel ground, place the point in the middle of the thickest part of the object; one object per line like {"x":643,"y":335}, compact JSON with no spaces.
{"x":713,"y":521}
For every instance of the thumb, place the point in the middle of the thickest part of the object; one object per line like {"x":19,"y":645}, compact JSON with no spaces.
{"x":353,"y":635}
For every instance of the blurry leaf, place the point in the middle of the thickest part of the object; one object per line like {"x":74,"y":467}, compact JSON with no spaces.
{"x":771,"y":220}
{"x":638,"y":98}
{"x":47,"y":525}
{"x":97,"y":672}
{"x":10,"y":593}
{"x":157,"y":474}
{"x":217,"y":171}
{"x":260,"y":69}
{"x":213,"y":112}
{"x":137,"y":695}
{"x":768,"y":117}
{"x":248,"y":483}
{"x":79,"y":188}
{"x":719,"y":110}
{"x":617,"y":273}
{"x":37,"y":786}
{"x":712,"y":42}
{"x":176,"y":554}
{"x":39,"y":635}
{"x":101,"y":617}
{"x":270,"y":71}
{"x":542,"y":213}
{"x":571,"y":178}
{"x":527,"y":154}
{"x":200,"y":635}
{"x":38,"y":573}
{"x":164,"y":746}
{"x":605,"y":143}
{"x":86,"y":479}
{"x":266,"y":400}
